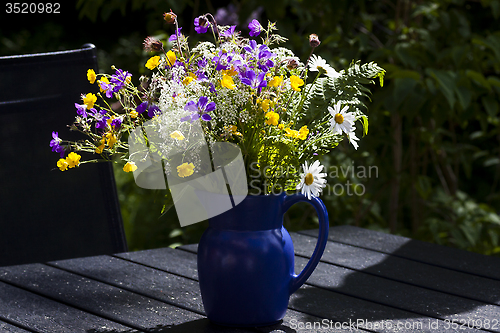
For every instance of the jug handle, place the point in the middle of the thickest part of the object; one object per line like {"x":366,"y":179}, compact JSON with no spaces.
{"x":319,"y":206}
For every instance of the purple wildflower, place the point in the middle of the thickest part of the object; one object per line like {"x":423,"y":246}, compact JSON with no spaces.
{"x":227,"y":16}
{"x":116,"y":123}
{"x":55,"y":143}
{"x":253,"y":80}
{"x":251,"y":47}
{"x":222,"y":61}
{"x":255,"y":28}
{"x":101,"y":120}
{"x":108,"y":88}
{"x":142,"y":107}
{"x":202,"y":62}
{"x":229,"y":32}
{"x":199,"y":109}
{"x":201,"y":24}
{"x":81,"y":110}
{"x":173,"y":38}
{"x":153,"y":110}
{"x":119,"y":79}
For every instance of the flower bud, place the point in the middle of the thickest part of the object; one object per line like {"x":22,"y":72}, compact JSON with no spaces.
{"x":314,"y":40}
{"x":292,"y":64}
{"x":170,"y":17}
{"x":152,"y":44}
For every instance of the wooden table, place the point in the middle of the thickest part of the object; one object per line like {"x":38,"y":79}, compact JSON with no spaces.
{"x":367,"y":281}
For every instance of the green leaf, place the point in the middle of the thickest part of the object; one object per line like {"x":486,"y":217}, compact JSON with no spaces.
{"x":491,"y":161}
{"x":446,"y":81}
{"x":365,"y":125}
{"x":464,"y":96}
{"x":491,"y":105}
{"x":478,"y":78}
{"x":495,"y":8}
{"x":402,"y":88}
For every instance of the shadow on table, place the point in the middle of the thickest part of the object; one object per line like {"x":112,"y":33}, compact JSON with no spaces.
{"x":202,"y":326}
{"x":391,"y":288}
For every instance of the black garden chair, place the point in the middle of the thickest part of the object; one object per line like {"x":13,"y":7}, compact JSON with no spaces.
{"x":46,"y":214}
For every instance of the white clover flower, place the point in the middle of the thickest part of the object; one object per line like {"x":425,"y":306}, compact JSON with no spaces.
{"x":312,"y":180}
{"x":342,"y":121}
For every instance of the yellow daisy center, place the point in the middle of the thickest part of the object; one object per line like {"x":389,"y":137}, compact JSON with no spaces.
{"x":339,"y":119}
{"x":309,"y":179}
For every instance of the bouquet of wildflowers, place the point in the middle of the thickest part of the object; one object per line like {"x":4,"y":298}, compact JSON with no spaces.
{"x":281,"y":113}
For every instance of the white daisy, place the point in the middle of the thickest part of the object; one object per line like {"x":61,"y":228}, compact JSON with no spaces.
{"x":353,"y":139}
{"x":312,"y":180}
{"x":318,"y":64}
{"x":342,"y":120}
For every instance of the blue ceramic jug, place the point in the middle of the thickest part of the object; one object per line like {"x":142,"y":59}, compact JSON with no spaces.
{"x":246,"y":261}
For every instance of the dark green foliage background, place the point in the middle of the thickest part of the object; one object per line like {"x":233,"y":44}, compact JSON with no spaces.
{"x":434,"y":133}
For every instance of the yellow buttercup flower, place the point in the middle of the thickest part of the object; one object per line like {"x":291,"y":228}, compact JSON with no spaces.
{"x":62,"y":164}
{"x":227,"y":81}
{"x":272,"y":118}
{"x":281,"y":126}
{"x":188,"y":79}
{"x":130,"y":167}
{"x":296,"y":82}
{"x":100,"y":148}
{"x":110,"y":139}
{"x":153,"y":62}
{"x":177,"y":135}
{"x":171,"y":58}
{"x":133,"y":114}
{"x":232,"y":129}
{"x":73,"y":159}
{"x":185,"y":170}
{"x":91,"y":76}
{"x":276,"y":81}
{"x":265,"y":104}
{"x":291,"y":133}
{"x":303,"y":132}
{"x":89,"y":100}
{"x":230,"y":72}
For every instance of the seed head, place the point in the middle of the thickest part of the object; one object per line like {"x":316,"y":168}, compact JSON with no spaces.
{"x":152,"y":44}
{"x":170,"y":17}
{"x":314,"y":40}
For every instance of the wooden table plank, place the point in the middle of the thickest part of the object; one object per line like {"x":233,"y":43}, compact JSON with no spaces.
{"x":372,"y":316}
{"x":44,"y":315}
{"x":403,"y":270}
{"x":97,"y":298}
{"x":416,"y":300}
{"x":443,"y":256}
{"x":8,"y":328}
{"x":348,"y":307}
{"x":146,"y":281}
{"x":161,"y":285}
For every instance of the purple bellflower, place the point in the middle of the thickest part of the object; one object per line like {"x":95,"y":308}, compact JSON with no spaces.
{"x":55,"y":143}
{"x":81,"y":110}
{"x":152,"y":110}
{"x":201,"y":24}
{"x":119,"y":79}
{"x":255,"y":28}
{"x":229,"y":32}
{"x":199,"y":109}
{"x":173,"y":38}
{"x":253,"y":80}
{"x":100,"y":120}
